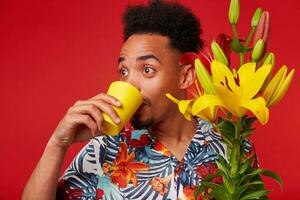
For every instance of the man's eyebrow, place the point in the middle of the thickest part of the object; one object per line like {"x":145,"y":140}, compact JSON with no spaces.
{"x":145,"y":57}
{"x":141,"y":58}
{"x":121,"y":59}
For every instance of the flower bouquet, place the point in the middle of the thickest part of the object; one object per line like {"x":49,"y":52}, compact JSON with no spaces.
{"x":226,"y":96}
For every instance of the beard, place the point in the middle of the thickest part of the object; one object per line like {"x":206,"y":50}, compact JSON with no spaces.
{"x":137,"y":122}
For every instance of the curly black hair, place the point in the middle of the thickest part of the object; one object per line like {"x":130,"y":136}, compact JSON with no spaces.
{"x":165,"y":18}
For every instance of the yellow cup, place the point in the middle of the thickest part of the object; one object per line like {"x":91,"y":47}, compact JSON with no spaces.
{"x":131,"y":99}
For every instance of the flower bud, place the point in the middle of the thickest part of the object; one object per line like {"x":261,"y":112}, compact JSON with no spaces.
{"x":278,"y":86}
{"x":258,"y":50}
{"x":218,"y":53}
{"x":270,"y":59}
{"x":190,"y":57}
{"x":256,"y":17}
{"x":234,"y":11}
{"x":263,"y":29}
{"x":204,"y":77}
{"x":224,"y":41}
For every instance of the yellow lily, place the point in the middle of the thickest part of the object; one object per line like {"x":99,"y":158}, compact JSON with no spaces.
{"x":238,"y":89}
{"x":206,"y":103}
{"x":278,"y":86}
{"x":206,"y":108}
{"x":184,"y":106}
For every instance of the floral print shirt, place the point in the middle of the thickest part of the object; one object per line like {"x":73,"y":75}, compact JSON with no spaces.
{"x":135,"y":165}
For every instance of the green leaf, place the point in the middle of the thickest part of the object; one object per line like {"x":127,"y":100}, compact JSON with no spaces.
{"x":218,"y":195}
{"x":255,"y":195}
{"x":241,"y":190}
{"x":211,"y":176}
{"x":256,"y":183}
{"x":226,"y":128}
{"x":213,"y":186}
{"x":230,"y":187}
{"x":272,"y":175}
{"x":223,"y":169}
{"x":249,"y":176}
{"x":247,"y":133}
{"x":246,"y":165}
{"x":249,"y":122}
{"x":224,"y":162}
{"x":219,"y":189}
{"x":246,"y":186}
{"x":199,"y":190}
{"x":258,"y":186}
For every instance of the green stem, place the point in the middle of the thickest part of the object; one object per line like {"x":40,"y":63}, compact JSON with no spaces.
{"x":238,"y":128}
{"x":242,"y":58}
{"x":235,"y":157}
{"x":249,"y":37}
{"x":235,"y":34}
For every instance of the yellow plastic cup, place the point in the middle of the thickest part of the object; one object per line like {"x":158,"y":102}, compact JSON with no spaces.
{"x":131,"y":99}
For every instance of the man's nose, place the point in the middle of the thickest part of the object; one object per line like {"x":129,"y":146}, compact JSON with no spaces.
{"x":133,"y":80}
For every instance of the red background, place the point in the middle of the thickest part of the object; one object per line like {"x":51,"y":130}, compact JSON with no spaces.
{"x":53,"y":53}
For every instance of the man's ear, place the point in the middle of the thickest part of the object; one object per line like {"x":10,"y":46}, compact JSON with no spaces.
{"x":187,"y":76}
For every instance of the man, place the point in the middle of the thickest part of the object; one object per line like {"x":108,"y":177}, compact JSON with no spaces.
{"x":166,"y":156}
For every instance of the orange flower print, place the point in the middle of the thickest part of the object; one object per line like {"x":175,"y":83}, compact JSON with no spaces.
{"x":123,"y":169}
{"x":161,"y":148}
{"x":188,"y":192}
{"x":160,"y":184}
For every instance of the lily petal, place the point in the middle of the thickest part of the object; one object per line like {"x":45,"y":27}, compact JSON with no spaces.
{"x":222,"y":75}
{"x":274,"y":84}
{"x":183,"y":105}
{"x":204,"y":102}
{"x":210,"y":113}
{"x":282,"y":89}
{"x":185,"y":108}
{"x":169,"y":96}
{"x":245,"y":74}
{"x":257,"y":81}
{"x":258,"y":107}
{"x":203,"y":116}
{"x":230,"y":100}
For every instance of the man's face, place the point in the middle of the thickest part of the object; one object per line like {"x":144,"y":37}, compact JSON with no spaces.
{"x":150,"y":63}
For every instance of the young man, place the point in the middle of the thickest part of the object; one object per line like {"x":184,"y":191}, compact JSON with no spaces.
{"x":166,"y":156}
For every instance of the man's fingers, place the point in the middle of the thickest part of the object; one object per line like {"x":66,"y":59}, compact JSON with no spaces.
{"x":102,"y":105}
{"x":107,"y":98}
{"x":92,"y":110}
{"x":86,"y":120}
{"x":106,"y":108}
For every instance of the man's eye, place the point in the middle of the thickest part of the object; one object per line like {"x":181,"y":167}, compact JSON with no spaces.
{"x":148,"y":70}
{"x":123,"y":72}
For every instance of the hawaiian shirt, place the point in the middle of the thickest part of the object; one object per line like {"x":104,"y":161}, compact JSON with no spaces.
{"x":135,"y":165}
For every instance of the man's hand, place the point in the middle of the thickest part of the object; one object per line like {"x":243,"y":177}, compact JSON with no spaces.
{"x":84,"y":120}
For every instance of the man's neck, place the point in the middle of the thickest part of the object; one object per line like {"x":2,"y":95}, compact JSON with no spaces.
{"x":175,"y":133}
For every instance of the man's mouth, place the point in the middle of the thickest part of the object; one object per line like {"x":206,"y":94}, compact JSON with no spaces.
{"x":140,"y":108}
